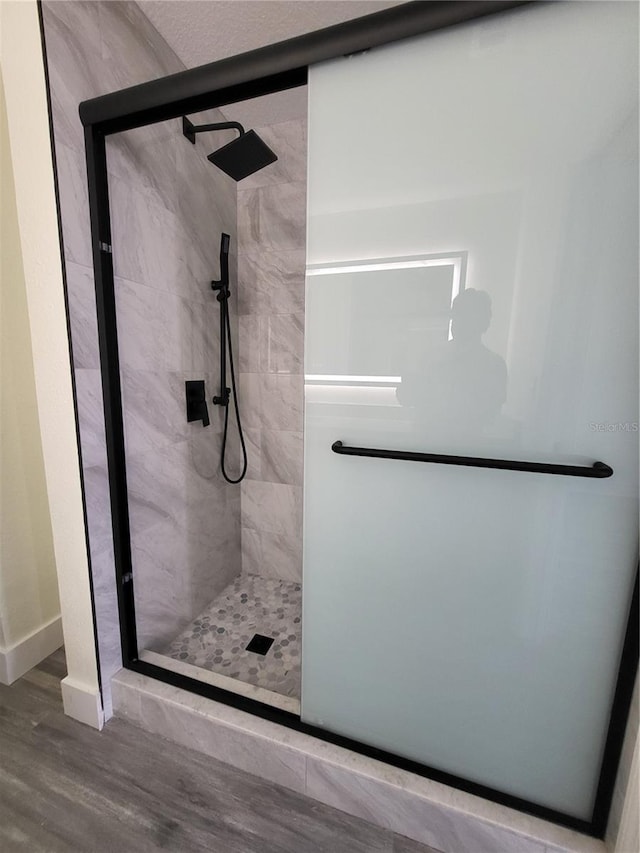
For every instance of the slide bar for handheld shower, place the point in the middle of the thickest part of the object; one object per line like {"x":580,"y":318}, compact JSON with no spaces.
{"x":222,"y":287}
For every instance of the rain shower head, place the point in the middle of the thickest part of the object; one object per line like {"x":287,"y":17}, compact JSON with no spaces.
{"x":243,"y":156}
{"x":239,"y":158}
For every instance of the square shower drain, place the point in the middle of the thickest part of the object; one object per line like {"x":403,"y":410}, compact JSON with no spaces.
{"x":260,"y":644}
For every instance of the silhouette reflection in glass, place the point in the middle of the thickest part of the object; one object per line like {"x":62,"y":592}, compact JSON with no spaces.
{"x":461,"y":386}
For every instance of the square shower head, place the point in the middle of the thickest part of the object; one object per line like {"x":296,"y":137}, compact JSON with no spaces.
{"x":243,"y":156}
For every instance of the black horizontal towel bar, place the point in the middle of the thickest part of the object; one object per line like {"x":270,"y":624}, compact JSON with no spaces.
{"x":598,"y":469}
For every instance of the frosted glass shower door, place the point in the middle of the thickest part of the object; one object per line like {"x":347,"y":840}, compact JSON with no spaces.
{"x":472,"y":291}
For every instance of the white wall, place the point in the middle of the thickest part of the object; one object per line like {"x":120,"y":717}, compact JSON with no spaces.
{"x":30,"y":152}
{"x":30,"y":626}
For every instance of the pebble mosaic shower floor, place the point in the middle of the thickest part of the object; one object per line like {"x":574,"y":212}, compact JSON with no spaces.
{"x":218,"y":638}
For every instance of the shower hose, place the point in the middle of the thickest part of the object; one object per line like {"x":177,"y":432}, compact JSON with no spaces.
{"x":227,"y":342}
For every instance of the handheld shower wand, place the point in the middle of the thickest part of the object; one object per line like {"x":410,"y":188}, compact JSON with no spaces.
{"x":223,"y":399}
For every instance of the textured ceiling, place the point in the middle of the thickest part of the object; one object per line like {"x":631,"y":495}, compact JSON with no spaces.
{"x":201,"y":31}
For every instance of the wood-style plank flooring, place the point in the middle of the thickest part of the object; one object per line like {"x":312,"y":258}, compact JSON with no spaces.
{"x":66,"y":787}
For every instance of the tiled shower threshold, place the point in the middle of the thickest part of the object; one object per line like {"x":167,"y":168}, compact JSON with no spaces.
{"x":218,"y":647}
{"x":233,"y":685}
{"x":444,"y":818}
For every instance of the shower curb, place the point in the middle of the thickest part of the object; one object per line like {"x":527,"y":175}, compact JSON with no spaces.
{"x":429,"y":812}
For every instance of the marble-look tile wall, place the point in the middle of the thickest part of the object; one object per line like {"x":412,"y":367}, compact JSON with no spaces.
{"x":271,"y":266}
{"x":168,"y":206}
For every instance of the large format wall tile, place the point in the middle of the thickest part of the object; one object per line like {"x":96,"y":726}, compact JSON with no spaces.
{"x":186,"y":536}
{"x":288,"y":141}
{"x":203,"y":338}
{"x":107,"y":618}
{"x":273,"y":401}
{"x":74,"y":205}
{"x":82,"y":316}
{"x":162,"y":607}
{"x":168,"y":205}
{"x":251,"y":552}
{"x":96,"y":486}
{"x":274,"y":456}
{"x":146,"y":239}
{"x":153,"y":328}
{"x":91,"y":417}
{"x":166,"y":484}
{"x":133,"y":51}
{"x":163,"y":332}
{"x":281,"y":401}
{"x":282,"y":555}
{"x":271,"y":344}
{"x":281,"y":456}
{"x":272,"y":218}
{"x":272,"y":507}
{"x":271,"y":282}
{"x":203,"y":213}
{"x":153,"y":416}
{"x":284,"y":344}
{"x":200,"y":266}
{"x":253,"y":443}
{"x":72,"y":33}
{"x":162,"y":241}
{"x":146,"y":157}
{"x":217,"y":570}
{"x":271,"y":555}
{"x":172,"y":543}
{"x":251,"y":343}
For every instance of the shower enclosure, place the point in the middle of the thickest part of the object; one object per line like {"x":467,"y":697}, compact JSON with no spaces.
{"x":465,"y":605}
{"x":201,"y":449}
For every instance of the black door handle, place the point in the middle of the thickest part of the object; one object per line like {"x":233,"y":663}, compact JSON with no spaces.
{"x":598,"y":469}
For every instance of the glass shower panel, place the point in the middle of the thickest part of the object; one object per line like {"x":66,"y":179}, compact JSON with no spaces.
{"x":216,"y":559}
{"x":184,"y":519}
{"x":472,"y":290}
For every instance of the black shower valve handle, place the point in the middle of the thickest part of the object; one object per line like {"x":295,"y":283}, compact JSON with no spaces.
{"x":196,"y":401}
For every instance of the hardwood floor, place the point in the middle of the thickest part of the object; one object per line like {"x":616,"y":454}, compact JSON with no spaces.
{"x":66,"y":787}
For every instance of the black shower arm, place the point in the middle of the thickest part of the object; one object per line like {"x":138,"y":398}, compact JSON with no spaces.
{"x":189,"y":130}
{"x":221,"y":125}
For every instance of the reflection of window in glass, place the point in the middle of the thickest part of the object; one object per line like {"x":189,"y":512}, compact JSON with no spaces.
{"x":392,"y":312}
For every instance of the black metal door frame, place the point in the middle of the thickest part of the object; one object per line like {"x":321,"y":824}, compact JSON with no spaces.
{"x":259,"y":72}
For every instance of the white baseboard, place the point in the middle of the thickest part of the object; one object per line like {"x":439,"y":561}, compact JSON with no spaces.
{"x":82,"y":703}
{"x":19,"y":658}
